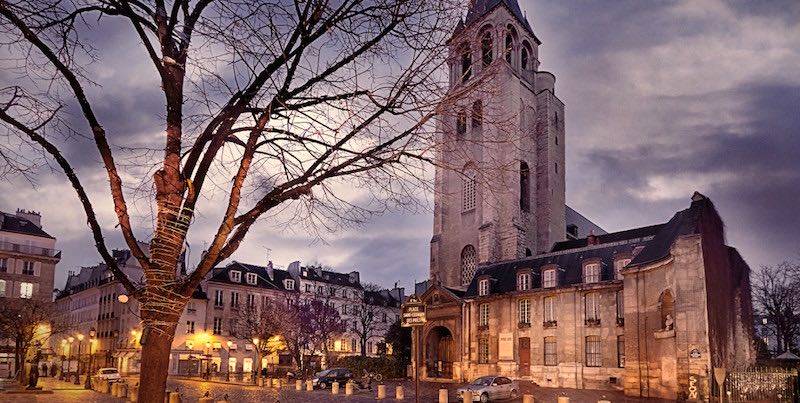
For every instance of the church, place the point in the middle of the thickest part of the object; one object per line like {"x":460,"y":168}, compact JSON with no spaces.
{"x":523,"y":286}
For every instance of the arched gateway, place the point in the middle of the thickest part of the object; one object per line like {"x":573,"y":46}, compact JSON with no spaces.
{"x":439,"y":353}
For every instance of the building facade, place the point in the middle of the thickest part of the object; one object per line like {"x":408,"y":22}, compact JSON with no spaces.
{"x":206,"y":341}
{"x":28,"y":261}
{"x":522,"y":285}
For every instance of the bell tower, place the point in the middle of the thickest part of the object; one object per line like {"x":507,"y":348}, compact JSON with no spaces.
{"x":499,"y":184}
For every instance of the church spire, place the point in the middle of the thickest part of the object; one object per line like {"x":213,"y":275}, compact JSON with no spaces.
{"x":479,"y":8}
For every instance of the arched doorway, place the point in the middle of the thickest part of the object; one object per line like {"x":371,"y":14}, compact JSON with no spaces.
{"x":439,"y":353}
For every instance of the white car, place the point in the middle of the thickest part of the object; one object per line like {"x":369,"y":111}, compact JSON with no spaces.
{"x":490,"y":388}
{"x":109,"y":374}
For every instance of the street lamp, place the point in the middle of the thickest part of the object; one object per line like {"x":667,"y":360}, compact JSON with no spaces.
{"x":208,"y":360}
{"x":228,"y":364}
{"x":63,"y":356}
{"x":69,"y":362}
{"x":257,"y":369}
{"x":78,"y":368}
{"x":88,"y":384}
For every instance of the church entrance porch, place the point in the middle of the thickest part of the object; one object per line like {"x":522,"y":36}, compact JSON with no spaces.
{"x":439,"y":353}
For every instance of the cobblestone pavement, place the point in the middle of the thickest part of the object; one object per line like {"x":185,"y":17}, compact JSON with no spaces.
{"x":192,"y":390}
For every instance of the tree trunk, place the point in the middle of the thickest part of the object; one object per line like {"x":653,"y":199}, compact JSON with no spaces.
{"x":363,"y":346}
{"x":155,"y":365}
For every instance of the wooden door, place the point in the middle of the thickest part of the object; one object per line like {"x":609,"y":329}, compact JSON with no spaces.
{"x":524,"y":356}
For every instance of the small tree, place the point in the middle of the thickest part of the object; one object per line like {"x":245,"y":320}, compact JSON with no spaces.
{"x":297,"y":330}
{"x":776,"y":293}
{"x":325,"y":323}
{"x":27,"y":322}
{"x":369,"y":317}
{"x":259,"y":323}
{"x":400,"y":339}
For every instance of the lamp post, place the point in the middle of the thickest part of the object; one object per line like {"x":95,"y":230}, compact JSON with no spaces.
{"x":78,"y":367}
{"x":208,"y":360}
{"x":63,"y":356}
{"x":69,"y":362}
{"x":257,"y":367}
{"x":88,"y":384}
{"x":228,"y":364}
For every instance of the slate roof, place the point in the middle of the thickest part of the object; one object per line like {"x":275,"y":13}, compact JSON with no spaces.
{"x":220,"y":275}
{"x":480,"y":8}
{"x":381,"y":299}
{"x":12,"y":223}
{"x":331,"y":277}
{"x":569,"y":256}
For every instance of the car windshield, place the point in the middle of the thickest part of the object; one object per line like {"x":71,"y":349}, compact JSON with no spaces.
{"x":483,"y":381}
{"x":108,"y":371}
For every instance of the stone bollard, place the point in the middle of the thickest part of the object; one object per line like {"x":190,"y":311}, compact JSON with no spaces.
{"x":381,"y":392}
{"x":298,"y":385}
{"x":276,"y":383}
{"x":335,"y":388}
{"x":527,"y":398}
{"x":123,"y":390}
{"x":442,"y":395}
{"x":261,"y":382}
{"x":106,"y":386}
{"x":309,"y":385}
{"x":348,"y":388}
{"x":398,"y":393}
{"x":604,"y":401}
{"x":174,"y":397}
{"x":133,"y":393}
{"x":563,"y":399}
{"x":466,"y":397}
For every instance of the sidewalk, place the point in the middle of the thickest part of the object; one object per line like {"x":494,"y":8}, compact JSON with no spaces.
{"x":60,"y":391}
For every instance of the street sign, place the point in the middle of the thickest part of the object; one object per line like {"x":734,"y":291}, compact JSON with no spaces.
{"x":412,"y":313}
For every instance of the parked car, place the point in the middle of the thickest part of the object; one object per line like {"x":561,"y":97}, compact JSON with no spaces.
{"x":324,"y":379}
{"x":109,"y":374}
{"x":491,"y":388}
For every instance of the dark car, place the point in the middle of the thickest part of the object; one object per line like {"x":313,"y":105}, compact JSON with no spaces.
{"x":324,"y":379}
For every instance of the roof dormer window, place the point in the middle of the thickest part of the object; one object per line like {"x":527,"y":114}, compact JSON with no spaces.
{"x":523,"y":281}
{"x":236,"y":276}
{"x":288,"y":284}
{"x":483,"y":287}
{"x":252,"y":278}
{"x":620,"y":264}
{"x":591,"y":273}
{"x":549,"y":278}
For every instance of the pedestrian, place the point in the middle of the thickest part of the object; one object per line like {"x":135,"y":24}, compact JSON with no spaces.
{"x":44,"y":370}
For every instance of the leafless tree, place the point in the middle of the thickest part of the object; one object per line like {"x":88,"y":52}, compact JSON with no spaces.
{"x":371,"y":316}
{"x":326,"y":323}
{"x":27,"y":322}
{"x":297,"y":331}
{"x":776,"y":293}
{"x":259,"y":322}
{"x":276,"y":104}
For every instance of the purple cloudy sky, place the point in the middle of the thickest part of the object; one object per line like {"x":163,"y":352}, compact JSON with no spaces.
{"x":663,"y":98}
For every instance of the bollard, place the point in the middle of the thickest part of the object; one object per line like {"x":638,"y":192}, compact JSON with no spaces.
{"x":563,"y":399}
{"x":174,"y":397}
{"x":276,"y":383}
{"x":298,"y":385}
{"x":309,"y":385}
{"x":261,"y":382}
{"x":133,"y":393}
{"x":381,"y":392}
{"x":604,"y":400}
{"x":442,"y":395}
{"x":466,"y":396}
{"x":115,"y":389}
{"x":106,"y":386}
{"x":335,"y":388}
{"x":398,"y":393}
{"x":348,"y":388}
{"x":123,"y":390}
{"x":527,"y":398}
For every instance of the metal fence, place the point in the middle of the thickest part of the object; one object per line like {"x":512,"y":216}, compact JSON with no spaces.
{"x":760,"y":384}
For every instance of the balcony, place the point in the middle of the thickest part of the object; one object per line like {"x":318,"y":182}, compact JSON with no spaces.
{"x":592,"y":322}
{"x":28,"y":250}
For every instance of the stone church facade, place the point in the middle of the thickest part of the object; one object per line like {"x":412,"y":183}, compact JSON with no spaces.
{"x":513,"y":291}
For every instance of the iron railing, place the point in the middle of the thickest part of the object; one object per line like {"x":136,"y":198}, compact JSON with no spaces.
{"x":759,"y":384}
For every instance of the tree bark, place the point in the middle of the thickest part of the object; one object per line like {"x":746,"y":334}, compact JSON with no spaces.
{"x":155,"y":365}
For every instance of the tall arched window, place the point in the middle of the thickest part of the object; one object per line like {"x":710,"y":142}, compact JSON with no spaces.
{"x":509,"y":46}
{"x":469,"y":260}
{"x":525,"y":55}
{"x":486,"y":48}
{"x":466,"y":64}
{"x":468,"y":190}
{"x":477,"y":114}
{"x":524,"y":187}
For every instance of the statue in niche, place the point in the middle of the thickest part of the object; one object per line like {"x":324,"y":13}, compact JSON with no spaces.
{"x":669,"y":323}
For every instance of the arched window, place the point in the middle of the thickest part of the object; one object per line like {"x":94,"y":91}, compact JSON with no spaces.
{"x":524,"y":187}
{"x":468,"y":191}
{"x":524,"y":59}
{"x":466,"y":64}
{"x":461,"y":124}
{"x":469,"y":261}
{"x":509,"y":46}
{"x":486,"y":48}
{"x":477,"y":113}
{"x":667,"y":307}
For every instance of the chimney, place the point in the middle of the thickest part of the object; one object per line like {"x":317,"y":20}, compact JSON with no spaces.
{"x":32,"y":216}
{"x":354,"y":277}
{"x":318,"y":271}
{"x":270,"y":271}
{"x":294,"y":268}
{"x":591,"y":239}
